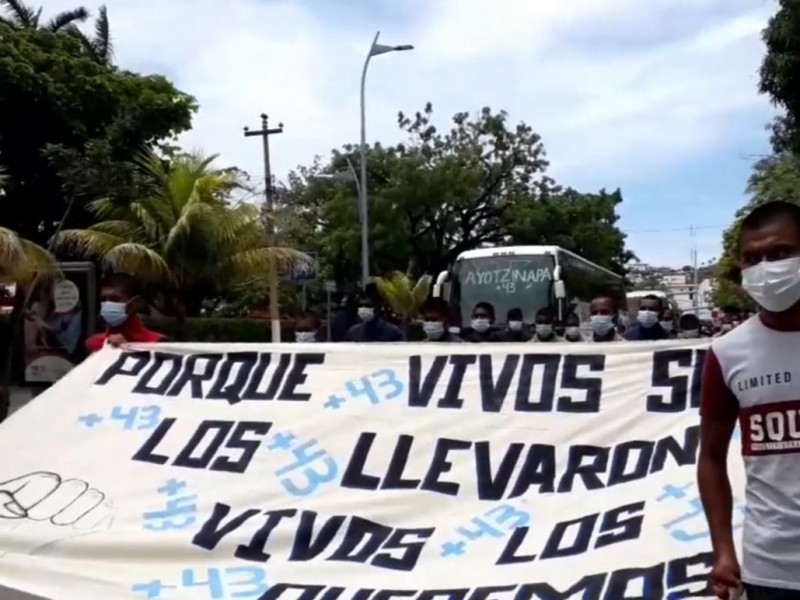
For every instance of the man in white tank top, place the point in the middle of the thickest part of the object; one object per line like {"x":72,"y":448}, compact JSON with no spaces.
{"x":753,"y":374}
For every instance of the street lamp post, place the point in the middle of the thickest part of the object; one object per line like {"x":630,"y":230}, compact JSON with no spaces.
{"x":375,"y":49}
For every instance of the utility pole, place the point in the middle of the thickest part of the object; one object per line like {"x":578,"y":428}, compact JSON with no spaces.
{"x":274,"y":307}
{"x":695,"y":285}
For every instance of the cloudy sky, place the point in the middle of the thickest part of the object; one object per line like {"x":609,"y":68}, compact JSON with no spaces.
{"x":657,"y":97}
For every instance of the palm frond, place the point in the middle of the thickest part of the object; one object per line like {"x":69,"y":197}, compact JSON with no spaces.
{"x":68,"y":17}
{"x":21,"y":14}
{"x":86,"y":243}
{"x":103,"y":45}
{"x":213,"y":230}
{"x":421,"y":291}
{"x":21,"y":259}
{"x":403,"y":295}
{"x":256,"y":263}
{"x":139,"y":260}
{"x":119,"y":228}
{"x":104,"y":208}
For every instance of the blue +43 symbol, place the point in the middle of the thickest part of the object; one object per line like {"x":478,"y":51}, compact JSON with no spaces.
{"x":233,"y":582}
{"x":179,"y":512}
{"x":378,"y":387}
{"x":495,"y":523}
{"x":311,"y":468}
{"x":126,"y":417}
{"x":692,"y":525}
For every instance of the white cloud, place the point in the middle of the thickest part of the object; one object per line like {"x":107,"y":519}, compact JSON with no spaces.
{"x":619,"y":89}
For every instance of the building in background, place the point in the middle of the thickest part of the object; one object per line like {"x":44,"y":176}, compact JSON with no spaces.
{"x":678,"y":284}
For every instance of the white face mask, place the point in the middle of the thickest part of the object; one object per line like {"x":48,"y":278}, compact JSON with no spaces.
{"x":690,"y":334}
{"x":480,"y":325}
{"x":667,"y":325}
{"x":544,"y":330}
{"x":305,"y":337}
{"x":775,"y":286}
{"x":572,"y":333}
{"x":366,"y":313}
{"x":515,"y":325}
{"x":454,"y":330}
{"x":602,"y":324}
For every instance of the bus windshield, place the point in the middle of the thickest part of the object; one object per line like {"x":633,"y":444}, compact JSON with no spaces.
{"x":505,"y":282}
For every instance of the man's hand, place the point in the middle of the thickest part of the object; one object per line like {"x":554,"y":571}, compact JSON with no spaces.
{"x":725,"y":575}
{"x":44,"y":496}
{"x":116,"y":339}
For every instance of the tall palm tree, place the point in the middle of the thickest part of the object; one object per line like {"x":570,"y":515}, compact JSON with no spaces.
{"x":183,"y":237}
{"x":22,"y":16}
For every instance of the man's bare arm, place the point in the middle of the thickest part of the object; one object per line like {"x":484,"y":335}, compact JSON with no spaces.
{"x":718,"y":414}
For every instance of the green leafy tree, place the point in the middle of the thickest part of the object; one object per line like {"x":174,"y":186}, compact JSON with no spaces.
{"x":480,"y":182}
{"x":18,"y":15}
{"x":77,"y":124}
{"x":773,"y":178}
{"x":780,"y":73}
{"x":184,"y":238}
{"x":582,"y":223}
{"x":430,"y":198}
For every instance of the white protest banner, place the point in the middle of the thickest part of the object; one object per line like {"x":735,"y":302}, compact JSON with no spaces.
{"x":325,"y":472}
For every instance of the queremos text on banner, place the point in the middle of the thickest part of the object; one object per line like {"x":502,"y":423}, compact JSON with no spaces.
{"x":325,"y":472}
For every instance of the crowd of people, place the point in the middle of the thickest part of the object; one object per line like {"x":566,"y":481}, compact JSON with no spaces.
{"x":367,"y":320}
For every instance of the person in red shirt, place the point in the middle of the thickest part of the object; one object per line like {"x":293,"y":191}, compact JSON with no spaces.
{"x":119,"y":298}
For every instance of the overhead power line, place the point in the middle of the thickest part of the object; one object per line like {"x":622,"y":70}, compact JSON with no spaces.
{"x":718,"y":227}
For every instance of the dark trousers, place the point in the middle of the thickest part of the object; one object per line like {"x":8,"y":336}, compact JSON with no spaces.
{"x":758,"y":592}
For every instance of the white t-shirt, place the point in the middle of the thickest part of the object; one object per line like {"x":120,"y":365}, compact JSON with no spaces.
{"x":754,"y":372}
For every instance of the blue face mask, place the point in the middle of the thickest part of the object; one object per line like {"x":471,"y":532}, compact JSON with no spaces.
{"x":305,"y":337}
{"x":647,"y":318}
{"x":113,"y":313}
{"x":434,"y":330}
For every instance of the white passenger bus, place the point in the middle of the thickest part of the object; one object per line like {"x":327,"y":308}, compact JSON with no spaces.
{"x":527,"y":277}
